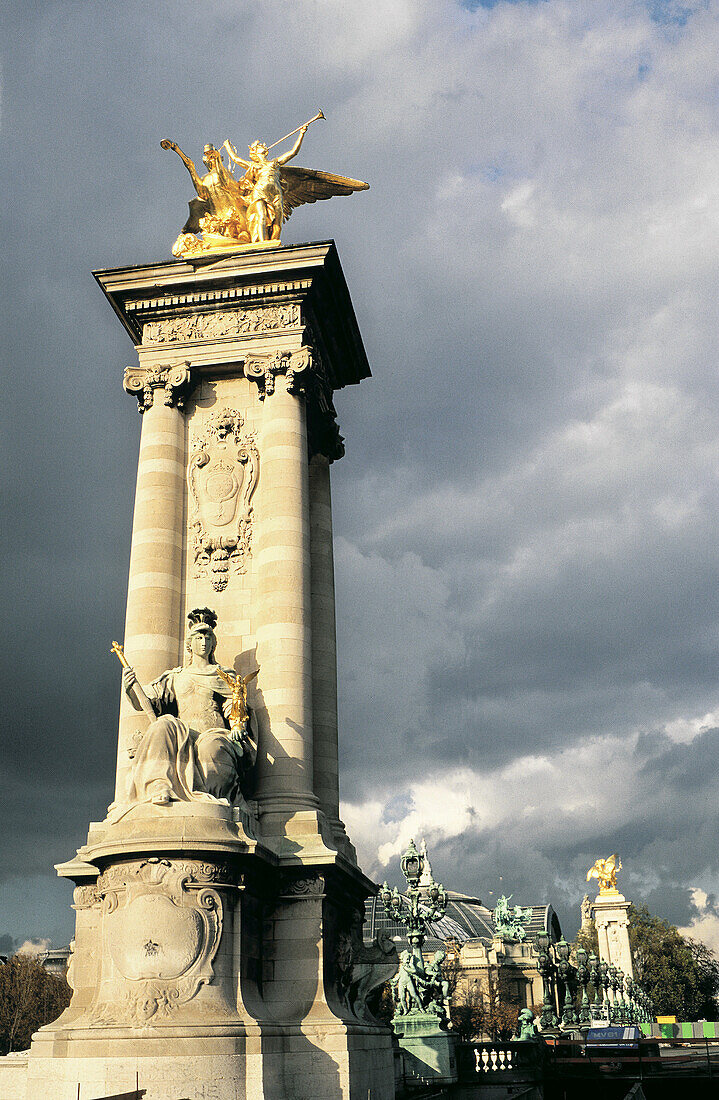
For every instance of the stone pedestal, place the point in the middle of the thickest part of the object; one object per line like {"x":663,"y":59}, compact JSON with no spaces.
{"x":609,"y":910}
{"x":212,"y":943}
{"x":428,"y":1051}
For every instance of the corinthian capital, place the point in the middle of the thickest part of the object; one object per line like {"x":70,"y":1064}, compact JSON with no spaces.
{"x":263,"y":369}
{"x":175,"y":383}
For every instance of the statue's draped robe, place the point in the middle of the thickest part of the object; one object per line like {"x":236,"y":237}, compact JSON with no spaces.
{"x":190,"y":755}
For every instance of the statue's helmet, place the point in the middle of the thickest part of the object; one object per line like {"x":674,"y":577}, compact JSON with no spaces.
{"x":202,"y":620}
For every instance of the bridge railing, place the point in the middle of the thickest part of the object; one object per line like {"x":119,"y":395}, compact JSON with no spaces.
{"x":512,"y":1061}
{"x":557,"y":1058}
{"x":635,"y":1060}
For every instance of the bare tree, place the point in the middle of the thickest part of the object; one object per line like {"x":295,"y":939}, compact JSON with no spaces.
{"x":29,"y":998}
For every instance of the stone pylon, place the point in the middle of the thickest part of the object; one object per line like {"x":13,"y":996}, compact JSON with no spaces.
{"x":609,"y":910}
{"x":214,"y":943}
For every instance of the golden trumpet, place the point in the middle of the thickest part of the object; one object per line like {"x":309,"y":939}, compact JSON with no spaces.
{"x":318,"y":115}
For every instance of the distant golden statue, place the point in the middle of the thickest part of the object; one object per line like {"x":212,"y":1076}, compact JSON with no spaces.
{"x":605,"y":872}
{"x":249,"y":212}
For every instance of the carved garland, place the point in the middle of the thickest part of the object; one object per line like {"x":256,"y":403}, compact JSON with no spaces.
{"x":221,"y":476}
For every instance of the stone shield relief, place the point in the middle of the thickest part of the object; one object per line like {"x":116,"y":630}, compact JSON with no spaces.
{"x":162,"y":932}
{"x":221,"y":477}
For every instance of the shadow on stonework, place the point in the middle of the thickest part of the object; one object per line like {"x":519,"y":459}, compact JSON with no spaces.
{"x":296,"y":1069}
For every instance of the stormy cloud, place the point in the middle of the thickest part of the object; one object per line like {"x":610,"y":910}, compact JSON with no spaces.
{"x":525,"y":521}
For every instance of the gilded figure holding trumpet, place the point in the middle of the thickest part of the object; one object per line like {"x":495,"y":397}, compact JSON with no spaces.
{"x":250,"y":211}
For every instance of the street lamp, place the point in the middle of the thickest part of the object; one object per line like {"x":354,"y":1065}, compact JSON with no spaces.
{"x":412,"y":864}
{"x":569,"y":1015}
{"x":585,"y":1015}
{"x":417,"y":907}
{"x":548,"y":1017}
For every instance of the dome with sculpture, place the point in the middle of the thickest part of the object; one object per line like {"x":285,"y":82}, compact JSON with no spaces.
{"x":486,"y":947}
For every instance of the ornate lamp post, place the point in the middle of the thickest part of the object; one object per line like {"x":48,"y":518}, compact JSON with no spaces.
{"x":569,"y":1015}
{"x":624,"y":990}
{"x":629,"y":985}
{"x":605,"y":982}
{"x":595,"y":981}
{"x":417,"y":988}
{"x":548,"y":1017}
{"x":585,"y":1014}
{"x":418,"y":907}
{"x":615,"y":982}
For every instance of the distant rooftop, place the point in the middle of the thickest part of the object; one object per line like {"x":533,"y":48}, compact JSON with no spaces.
{"x":466,"y":918}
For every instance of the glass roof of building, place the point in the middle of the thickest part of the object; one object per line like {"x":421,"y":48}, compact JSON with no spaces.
{"x":466,"y":918}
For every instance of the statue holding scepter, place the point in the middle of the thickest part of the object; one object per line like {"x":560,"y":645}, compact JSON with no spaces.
{"x":188,"y":752}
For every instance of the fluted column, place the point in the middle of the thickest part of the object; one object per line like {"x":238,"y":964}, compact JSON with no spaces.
{"x":154,"y":612}
{"x":283,"y":616}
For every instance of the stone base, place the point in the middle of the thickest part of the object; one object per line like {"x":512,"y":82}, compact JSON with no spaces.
{"x":209,"y":964}
{"x":428,"y":1052}
{"x":13,"y":1077}
{"x":291,"y":1063}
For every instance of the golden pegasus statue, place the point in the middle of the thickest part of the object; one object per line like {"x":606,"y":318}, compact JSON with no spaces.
{"x":605,"y":872}
{"x":249,"y":212}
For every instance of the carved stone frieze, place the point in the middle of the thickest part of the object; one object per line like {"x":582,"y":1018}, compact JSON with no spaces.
{"x":162,"y":926}
{"x":221,"y":323}
{"x":153,"y":870}
{"x":218,"y":873}
{"x":175,"y":383}
{"x":84,"y":897}
{"x":221,"y":477}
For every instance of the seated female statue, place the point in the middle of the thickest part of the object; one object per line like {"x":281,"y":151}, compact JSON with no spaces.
{"x":189,"y":753}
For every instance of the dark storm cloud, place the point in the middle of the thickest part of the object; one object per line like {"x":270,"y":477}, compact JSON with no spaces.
{"x":688,"y":768}
{"x":526,"y":517}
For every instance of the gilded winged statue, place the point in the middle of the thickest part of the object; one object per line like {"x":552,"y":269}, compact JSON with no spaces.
{"x":605,"y":872}
{"x":239,"y":714}
{"x":250,"y":211}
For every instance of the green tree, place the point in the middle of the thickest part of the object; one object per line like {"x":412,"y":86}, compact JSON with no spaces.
{"x":679,"y":974}
{"x":29,"y":998}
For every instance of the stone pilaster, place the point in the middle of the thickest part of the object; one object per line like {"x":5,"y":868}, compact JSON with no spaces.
{"x":324,"y":650}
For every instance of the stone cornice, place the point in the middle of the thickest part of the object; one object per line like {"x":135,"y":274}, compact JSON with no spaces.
{"x":308,"y":277}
